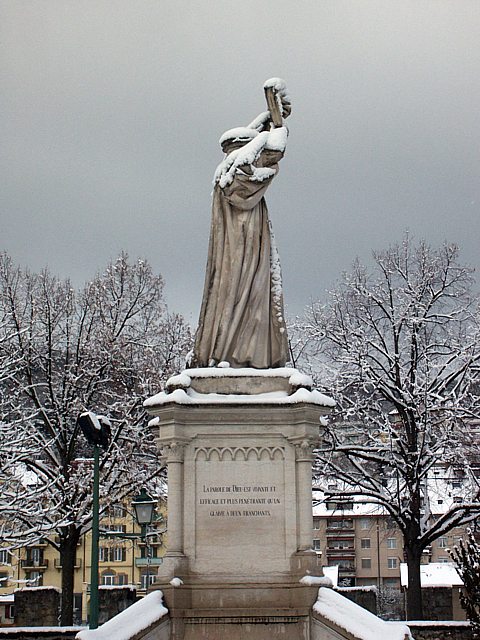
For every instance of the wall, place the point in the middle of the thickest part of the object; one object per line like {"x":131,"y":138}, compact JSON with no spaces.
{"x":448,"y":631}
{"x":366,"y":597}
{"x":37,"y":607}
{"x":113,"y":600}
{"x":62,"y":633}
{"x":437,"y":603}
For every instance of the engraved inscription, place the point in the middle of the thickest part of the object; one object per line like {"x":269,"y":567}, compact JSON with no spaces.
{"x":240,"y":503}
{"x":240,"y":496}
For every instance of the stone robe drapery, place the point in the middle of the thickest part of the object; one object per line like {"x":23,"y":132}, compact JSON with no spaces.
{"x":241,"y":319}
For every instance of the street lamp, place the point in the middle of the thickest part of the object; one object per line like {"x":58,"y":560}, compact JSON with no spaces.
{"x":96,"y":430}
{"x":144,"y":506}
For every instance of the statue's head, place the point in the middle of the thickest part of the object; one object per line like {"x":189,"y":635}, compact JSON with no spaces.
{"x":236,"y":138}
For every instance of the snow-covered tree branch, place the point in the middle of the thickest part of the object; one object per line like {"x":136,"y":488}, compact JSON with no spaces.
{"x":399,"y":349}
{"x":63,"y":351}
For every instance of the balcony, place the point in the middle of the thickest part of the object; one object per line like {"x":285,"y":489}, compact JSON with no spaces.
{"x":340,"y":533}
{"x":33,"y":564}
{"x":346,"y":569}
{"x":148,"y":562}
{"x":340,"y":525}
{"x":57,"y":564}
{"x":339,"y":552}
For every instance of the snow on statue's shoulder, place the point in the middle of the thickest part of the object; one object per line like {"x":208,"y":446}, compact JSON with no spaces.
{"x":356,"y":620}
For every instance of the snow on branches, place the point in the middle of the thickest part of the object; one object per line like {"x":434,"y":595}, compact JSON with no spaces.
{"x":62,"y":351}
{"x":398,"y":347}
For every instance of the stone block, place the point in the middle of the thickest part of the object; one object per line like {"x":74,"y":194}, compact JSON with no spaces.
{"x":113,"y":600}
{"x":37,"y":607}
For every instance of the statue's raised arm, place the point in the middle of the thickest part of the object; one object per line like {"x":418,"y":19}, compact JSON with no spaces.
{"x":241,"y":319}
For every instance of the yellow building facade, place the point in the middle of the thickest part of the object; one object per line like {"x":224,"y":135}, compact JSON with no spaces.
{"x":122,"y":561}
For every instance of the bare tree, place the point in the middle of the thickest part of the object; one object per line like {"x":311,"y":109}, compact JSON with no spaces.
{"x":103,"y":348}
{"x":399,"y":349}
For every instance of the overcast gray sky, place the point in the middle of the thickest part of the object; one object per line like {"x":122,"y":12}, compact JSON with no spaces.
{"x":111,"y":112}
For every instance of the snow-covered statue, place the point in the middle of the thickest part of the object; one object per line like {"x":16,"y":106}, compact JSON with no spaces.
{"x":241,"y":319}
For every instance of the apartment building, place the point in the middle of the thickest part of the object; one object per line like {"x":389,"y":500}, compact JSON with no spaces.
{"x":366,"y":544}
{"x":122,"y":561}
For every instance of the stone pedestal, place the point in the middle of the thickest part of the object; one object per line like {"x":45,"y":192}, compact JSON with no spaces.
{"x":238,"y":450}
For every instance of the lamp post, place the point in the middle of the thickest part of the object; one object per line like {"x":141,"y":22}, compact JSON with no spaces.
{"x":96,"y":430}
{"x":144,"y":507}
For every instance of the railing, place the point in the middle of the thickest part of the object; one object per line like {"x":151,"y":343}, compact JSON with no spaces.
{"x":335,"y":552}
{"x":145,"y":562}
{"x":341,"y":533}
{"x":31,"y":563}
{"x":58,"y":565}
{"x":346,"y":569}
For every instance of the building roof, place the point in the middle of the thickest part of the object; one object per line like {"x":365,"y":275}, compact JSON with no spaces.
{"x":434,"y":574}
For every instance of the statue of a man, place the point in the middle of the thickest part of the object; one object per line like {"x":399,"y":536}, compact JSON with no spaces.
{"x":241,"y":319}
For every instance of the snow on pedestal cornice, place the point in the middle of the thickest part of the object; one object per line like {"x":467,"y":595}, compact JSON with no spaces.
{"x":181,"y":391}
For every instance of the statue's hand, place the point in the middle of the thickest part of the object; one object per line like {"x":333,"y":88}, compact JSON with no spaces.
{"x":246,"y":168}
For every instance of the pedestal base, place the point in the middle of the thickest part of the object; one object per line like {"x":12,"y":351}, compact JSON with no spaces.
{"x":238,"y":445}
{"x":220,"y":610}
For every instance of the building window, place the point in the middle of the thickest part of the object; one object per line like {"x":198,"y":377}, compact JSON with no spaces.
{"x":366,"y":563}
{"x":117,"y":528}
{"x":103,"y":554}
{"x":3,"y":579}
{"x":391,"y":543}
{"x":340,"y":524}
{"x":364,"y":523}
{"x":442,"y":542}
{"x":147,"y":579}
{"x":316,"y":544}
{"x":35,"y":556}
{"x":340,"y":544}
{"x":112,"y":554}
{"x":391,"y":582}
{"x":122,"y":579}
{"x":316,"y":523}
{"x":365,"y":543}
{"x":443,"y":559}
{"x":117,"y":554}
{"x":34,"y":579}
{"x":148,"y":552}
{"x":343,"y":565}
{"x":108,"y":579}
{"x":5,"y":557}
{"x":392,"y":563}
{"x":117,"y":511}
